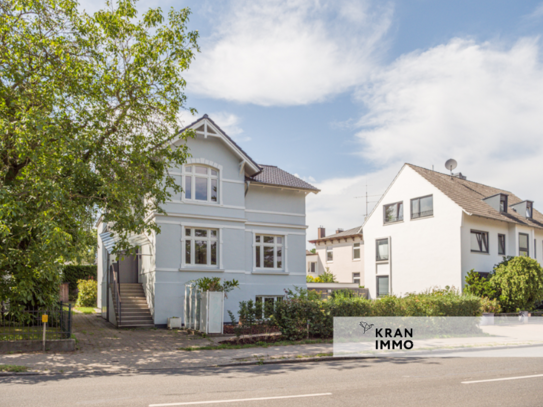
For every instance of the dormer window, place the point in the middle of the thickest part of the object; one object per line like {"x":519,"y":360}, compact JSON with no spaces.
{"x":503,"y":203}
{"x":529,"y":209}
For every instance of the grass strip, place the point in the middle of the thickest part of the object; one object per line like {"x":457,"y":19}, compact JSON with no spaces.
{"x":257,"y":345}
{"x":13,"y":368}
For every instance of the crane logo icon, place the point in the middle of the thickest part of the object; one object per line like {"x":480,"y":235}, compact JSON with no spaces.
{"x":365,"y":326}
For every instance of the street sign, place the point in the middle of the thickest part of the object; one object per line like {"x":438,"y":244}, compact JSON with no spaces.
{"x":44,"y":318}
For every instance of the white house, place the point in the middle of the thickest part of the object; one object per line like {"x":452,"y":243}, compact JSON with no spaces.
{"x":235,"y":219}
{"x":430,"y":229}
{"x":341,"y":253}
{"x":311,"y":260}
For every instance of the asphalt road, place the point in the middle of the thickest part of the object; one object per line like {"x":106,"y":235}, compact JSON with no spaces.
{"x":366,"y":382}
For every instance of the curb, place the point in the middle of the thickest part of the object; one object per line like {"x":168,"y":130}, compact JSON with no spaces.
{"x":3,"y":374}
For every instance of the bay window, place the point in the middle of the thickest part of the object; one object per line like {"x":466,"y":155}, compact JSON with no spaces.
{"x":201,"y":183}
{"x":269,"y":251}
{"x":201,"y":246}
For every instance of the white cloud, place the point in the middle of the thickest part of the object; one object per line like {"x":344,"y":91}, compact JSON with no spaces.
{"x":537,"y":13}
{"x":289,"y":52}
{"x":229,"y":122}
{"x":478,"y":103}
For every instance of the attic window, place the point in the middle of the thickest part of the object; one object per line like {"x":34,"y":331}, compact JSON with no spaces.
{"x":529,"y":209}
{"x":503,"y":203}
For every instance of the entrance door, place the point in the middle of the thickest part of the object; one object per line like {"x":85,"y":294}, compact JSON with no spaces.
{"x":128,"y":270}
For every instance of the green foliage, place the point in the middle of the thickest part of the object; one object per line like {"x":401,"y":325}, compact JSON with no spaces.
{"x":309,"y":279}
{"x":214,"y":284}
{"x":233,"y":319}
{"x":518,"y":284}
{"x":88,"y":293}
{"x":479,"y":286}
{"x":72,"y":274}
{"x":343,"y":294}
{"x":313,"y":250}
{"x":492,"y":306}
{"x":89,"y":107}
{"x":302,"y":293}
{"x":293,"y":315}
{"x":325,"y":277}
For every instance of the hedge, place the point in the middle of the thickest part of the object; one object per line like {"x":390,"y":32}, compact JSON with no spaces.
{"x":72,"y":274}
{"x":293,"y":314}
{"x":88,"y":292}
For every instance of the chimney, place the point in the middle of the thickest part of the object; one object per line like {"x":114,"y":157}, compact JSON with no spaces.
{"x":339,"y":230}
{"x":321,"y":232}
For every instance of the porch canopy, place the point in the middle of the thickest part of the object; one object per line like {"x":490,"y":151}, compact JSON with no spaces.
{"x":109,"y":239}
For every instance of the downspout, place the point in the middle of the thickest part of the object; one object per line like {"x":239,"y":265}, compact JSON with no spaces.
{"x":247,"y":183}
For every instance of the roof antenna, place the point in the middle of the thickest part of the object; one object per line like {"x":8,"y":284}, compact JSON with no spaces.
{"x":451,"y":164}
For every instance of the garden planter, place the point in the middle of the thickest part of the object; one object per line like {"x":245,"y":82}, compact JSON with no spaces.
{"x":174,"y":322}
{"x":487,"y":318}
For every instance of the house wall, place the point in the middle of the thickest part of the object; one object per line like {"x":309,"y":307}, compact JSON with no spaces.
{"x":343,"y":266}
{"x":424,"y":252}
{"x":241,"y":212}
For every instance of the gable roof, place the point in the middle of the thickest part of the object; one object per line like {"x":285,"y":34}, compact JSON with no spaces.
{"x":256,"y":168}
{"x":272,"y":175}
{"x":357,"y":231}
{"x":469,"y":196}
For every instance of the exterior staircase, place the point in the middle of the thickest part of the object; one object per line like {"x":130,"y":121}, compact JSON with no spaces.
{"x":134,"y":309}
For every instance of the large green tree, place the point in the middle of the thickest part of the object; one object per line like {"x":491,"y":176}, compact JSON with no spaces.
{"x":89,"y":106}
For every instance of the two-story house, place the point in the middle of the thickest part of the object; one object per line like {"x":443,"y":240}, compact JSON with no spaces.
{"x":234,"y":219}
{"x":341,"y":254}
{"x":430,"y":229}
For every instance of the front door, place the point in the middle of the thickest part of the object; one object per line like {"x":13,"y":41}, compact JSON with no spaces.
{"x":128,"y":270}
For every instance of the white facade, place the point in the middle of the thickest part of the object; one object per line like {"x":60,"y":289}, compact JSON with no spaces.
{"x":240,"y":221}
{"x":434,"y":250}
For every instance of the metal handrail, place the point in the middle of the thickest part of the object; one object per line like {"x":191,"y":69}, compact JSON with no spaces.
{"x":117,"y":291}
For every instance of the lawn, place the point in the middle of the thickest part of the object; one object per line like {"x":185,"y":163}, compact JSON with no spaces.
{"x":10,"y":333}
{"x":13,"y":368}
{"x":85,"y":310}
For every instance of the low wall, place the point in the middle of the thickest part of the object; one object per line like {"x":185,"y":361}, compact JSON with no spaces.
{"x":55,"y":345}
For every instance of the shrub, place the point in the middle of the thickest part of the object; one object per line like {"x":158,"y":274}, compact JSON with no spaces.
{"x":479,"y":286}
{"x":298,"y":318}
{"x":72,"y":274}
{"x":310,"y":279}
{"x":214,"y":284}
{"x":88,"y":293}
{"x":518,"y":284}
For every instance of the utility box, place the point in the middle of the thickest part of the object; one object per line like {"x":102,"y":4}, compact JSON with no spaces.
{"x":204,"y":311}
{"x":174,"y":322}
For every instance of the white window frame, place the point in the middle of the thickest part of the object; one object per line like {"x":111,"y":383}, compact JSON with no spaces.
{"x":329,"y":249}
{"x":355,"y":247}
{"x":275,"y":246}
{"x":192,"y":175}
{"x":356,"y":278}
{"x":264,"y":297}
{"x":312,"y":267}
{"x":193,"y":238}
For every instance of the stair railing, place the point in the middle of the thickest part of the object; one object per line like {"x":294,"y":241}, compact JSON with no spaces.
{"x":114,"y":273}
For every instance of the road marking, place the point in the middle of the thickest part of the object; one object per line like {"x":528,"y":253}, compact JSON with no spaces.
{"x":504,"y":378}
{"x":239,"y":400}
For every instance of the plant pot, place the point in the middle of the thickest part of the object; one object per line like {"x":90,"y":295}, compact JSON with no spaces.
{"x":174,"y":322}
{"x":487,"y":318}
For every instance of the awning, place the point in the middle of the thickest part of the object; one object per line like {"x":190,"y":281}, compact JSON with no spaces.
{"x":109,"y":239}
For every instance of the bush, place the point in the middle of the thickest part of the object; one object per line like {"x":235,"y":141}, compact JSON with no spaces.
{"x":325,"y":277}
{"x":72,"y":274}
{"x":299,"y":318}
{"x":88,"y":293}
{"x":518,"y":284}
{"x":479,"y":286}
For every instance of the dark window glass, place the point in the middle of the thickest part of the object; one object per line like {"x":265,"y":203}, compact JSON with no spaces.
{"x":257,"y":239}
{"x":421,"y":207}
{"x":313,"y":267}
{"x":187,"y":252}
{"x":268,"y":257}
{"x":382,"y":286}
{"x":201,"y":188}
{"x":393,"y":212}
{"x":329,"y":254}
{"x":503,"y":203}
{"x":214,"y":190}
{"x":382,"y":249}
{"x":187,"y":232}
{"x":529,"y":210}
{"x":501,"y":244}
{"x":213,"y":253}
{"x":258,"y":264}
{"x":279,"y":258}
{"x":188,"y":187}
{"x":268,"y":239}
{"x":523,"y":246}
{"x":200,"y":251}
{"x":479,"y":241}
{"x":356,"y":251}
{"x":356,"y":278}
{"x":200,"y":233}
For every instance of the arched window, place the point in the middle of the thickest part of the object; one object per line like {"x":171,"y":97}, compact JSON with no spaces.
{"x":201,"y":183}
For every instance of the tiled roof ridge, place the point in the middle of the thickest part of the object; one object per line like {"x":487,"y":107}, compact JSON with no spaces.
{"x":463,"y":180}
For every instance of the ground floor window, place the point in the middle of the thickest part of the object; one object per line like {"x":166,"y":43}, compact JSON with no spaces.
{"x":523,"y":244}
{"x":201,"y":246}
{"x":269,"y":251}
{"x":382,"y":286}
{"x":265,"y":304}
{"x":356,"y":278}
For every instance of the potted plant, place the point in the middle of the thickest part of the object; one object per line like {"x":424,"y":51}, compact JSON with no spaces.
{"x":174,"y":322}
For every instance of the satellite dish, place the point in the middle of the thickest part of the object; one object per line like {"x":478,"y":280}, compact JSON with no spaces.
{"x":451,"y":164}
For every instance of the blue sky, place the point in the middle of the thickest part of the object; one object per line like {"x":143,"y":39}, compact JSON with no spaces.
{"x":343,"y":92}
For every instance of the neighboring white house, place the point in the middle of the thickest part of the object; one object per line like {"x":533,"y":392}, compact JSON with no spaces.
{"x":342,"y":254}
{"x":235,"y":219}
{"x":430,"y":229}
{"x":311,"y":260}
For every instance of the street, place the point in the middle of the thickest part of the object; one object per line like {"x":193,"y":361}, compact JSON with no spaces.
{"x":368,"y":382}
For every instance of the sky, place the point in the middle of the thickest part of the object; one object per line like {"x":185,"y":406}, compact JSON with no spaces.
{"x":342,"y":93}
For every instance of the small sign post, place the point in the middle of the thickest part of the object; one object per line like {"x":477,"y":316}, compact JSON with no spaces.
{"x":44,"y":319}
